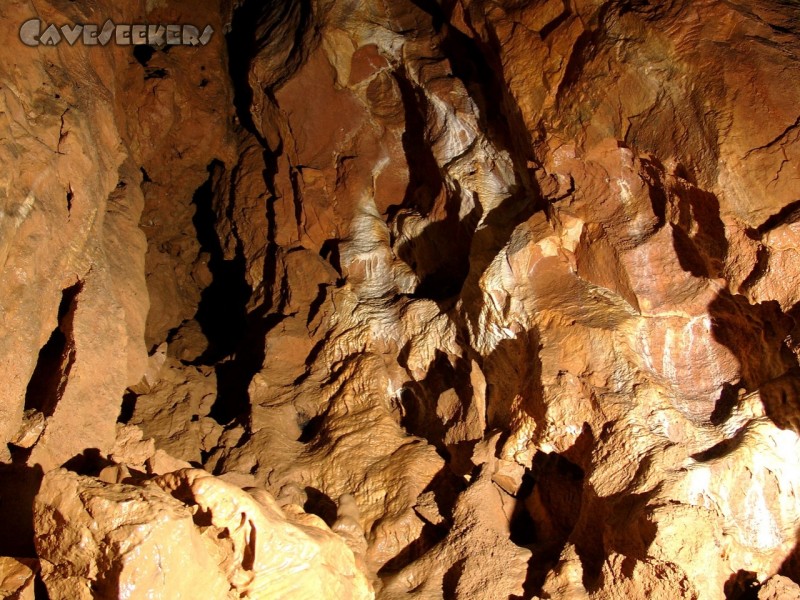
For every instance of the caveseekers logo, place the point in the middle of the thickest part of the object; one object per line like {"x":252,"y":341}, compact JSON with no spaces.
{"x":35,"y":33}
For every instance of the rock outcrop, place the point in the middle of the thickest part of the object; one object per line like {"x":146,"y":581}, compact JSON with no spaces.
{"x":423,"y":299}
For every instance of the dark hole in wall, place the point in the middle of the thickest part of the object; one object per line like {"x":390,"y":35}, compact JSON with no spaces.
{"x":310,"y":428}
{"x":320,"y":504}
{"x":742,"y":585}
{"x":143,"y":54}
{"x":128,"y":407}
{"x":56,"y":357}
{"x":222,"y":313}
{"x":548,"y":507}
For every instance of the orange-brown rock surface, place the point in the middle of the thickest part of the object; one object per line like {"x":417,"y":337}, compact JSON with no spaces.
{"x":470,"y":299}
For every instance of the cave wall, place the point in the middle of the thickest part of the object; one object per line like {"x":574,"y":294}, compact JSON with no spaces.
{"x":502,"y":293}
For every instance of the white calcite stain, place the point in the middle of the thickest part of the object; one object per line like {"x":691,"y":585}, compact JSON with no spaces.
{"x":758,"y":524}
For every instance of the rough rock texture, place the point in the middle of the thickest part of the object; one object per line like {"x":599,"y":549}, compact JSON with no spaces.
{"x":18,"y":578}
{"x":182,"y":535}
{"x":495,"y":298}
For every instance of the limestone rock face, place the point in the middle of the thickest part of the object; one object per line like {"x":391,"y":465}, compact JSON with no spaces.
{"x":73,"y":297}
{"x":468,"y":299}
{"x":18,"y":578}
{"x":181,"y":535}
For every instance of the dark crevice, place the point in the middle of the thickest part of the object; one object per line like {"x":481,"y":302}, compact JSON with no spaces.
{"x":759,"y":269}
{"x":19,"y":485}
{"x":222,"y":313}
{"x":155,"y":74}
{"x":425,"y":178}
{"x":727,"y":401}
{"x":265,"y":27}
{"x":548,"y":507}
{"x":143,"y":54}
{"x":274,"y":32}
{"x":523,"y":527}
{"x":241,"y":50}
{"x":310,"y":428}
{"x":49,"y":379}
{"x":320,"y":504}
{"x":330,"y":252}
{"x":128,"y":407}
{"x":555,"y":23}
{"x":233,"y":340}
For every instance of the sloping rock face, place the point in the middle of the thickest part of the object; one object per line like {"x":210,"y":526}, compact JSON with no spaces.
{"x":182,"y":535}
{"x":475,"y":298}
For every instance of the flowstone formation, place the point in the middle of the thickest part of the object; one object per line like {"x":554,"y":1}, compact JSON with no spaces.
{"x":469,"y":299}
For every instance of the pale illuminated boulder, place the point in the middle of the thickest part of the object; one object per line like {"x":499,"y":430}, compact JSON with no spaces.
{"x":182,"y":533}
{"x":16,"y":578}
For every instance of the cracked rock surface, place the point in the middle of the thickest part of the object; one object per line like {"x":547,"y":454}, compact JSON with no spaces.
{"x":469,"y":299}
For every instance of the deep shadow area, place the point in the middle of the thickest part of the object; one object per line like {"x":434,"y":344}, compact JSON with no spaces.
{"x":742,"y":585}
{"x":234,"y":375}
{"x":781,"y":399}
{"x":128,"y":407}
{"x":222,"y":312}
{"x":320,"y":504}
{"x":451,"y":578}
{"x":420,"y":400}
{"x":514,"y":371}
{"x":56,"y":358}
{"x":439,"y":255}
{"x":791,"y":565}
{"x":445,"y":486}
{"x":428,"y":538}
{"x":479,"y":68}
{"x":547,"y":510}
{"x":703,"y":251}
{"x":425,"y":179}
{"x":89,"y":462}
{"x":19,"y":484}
{"x":273,"y":30}
{"x":755,"y":334}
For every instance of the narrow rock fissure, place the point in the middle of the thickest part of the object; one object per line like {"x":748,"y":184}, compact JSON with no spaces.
{"x":222,"y":313}
{"x":56,"y":358}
